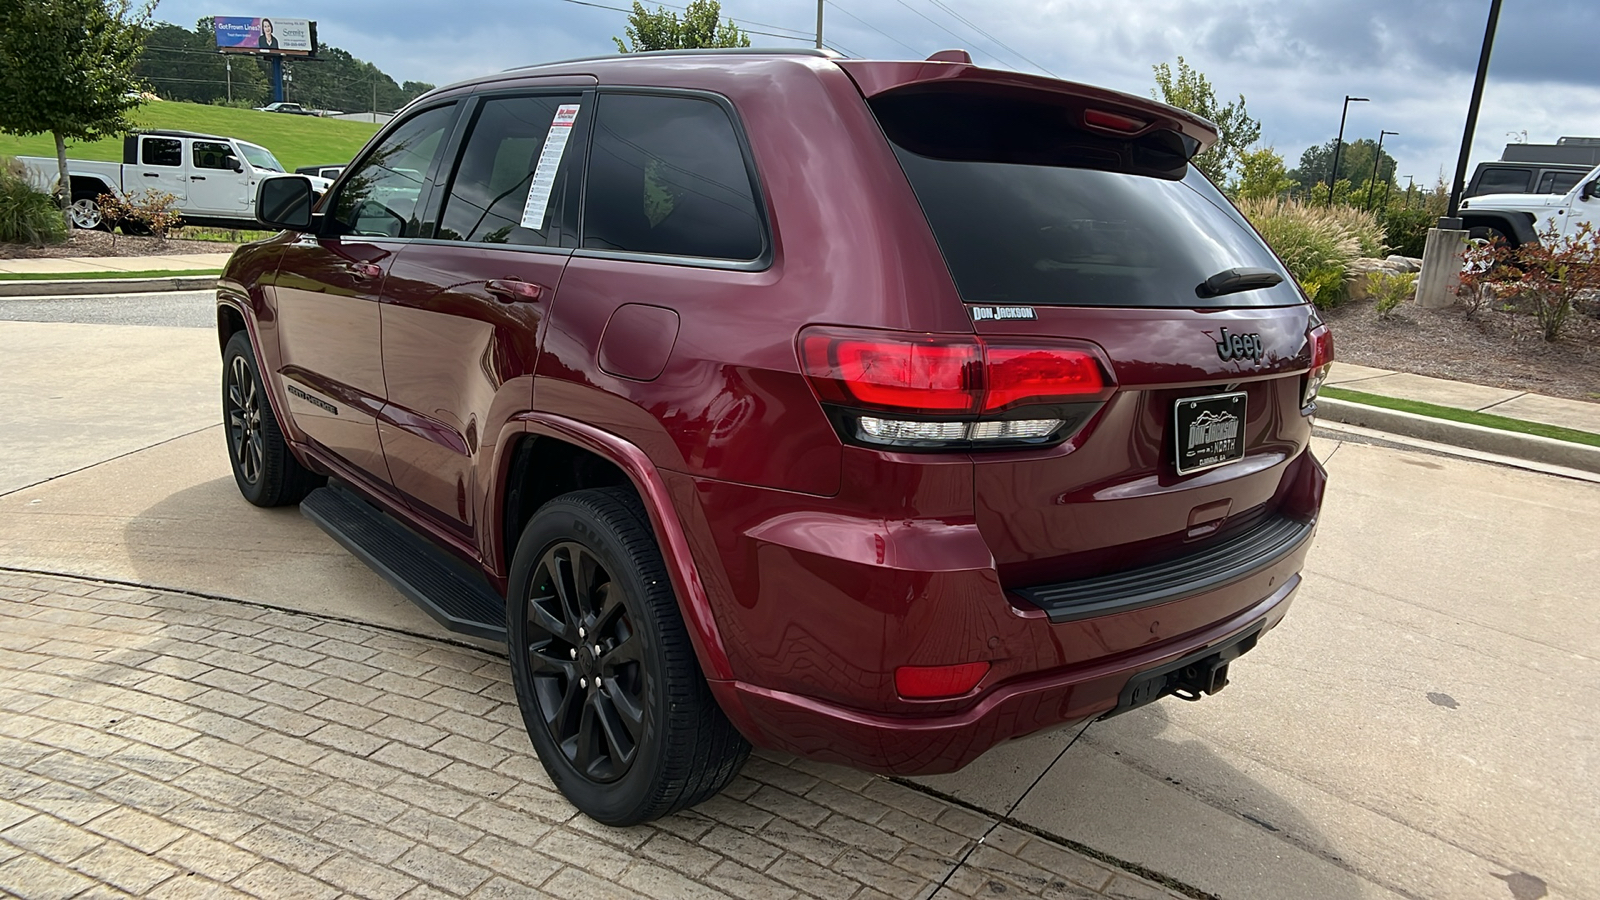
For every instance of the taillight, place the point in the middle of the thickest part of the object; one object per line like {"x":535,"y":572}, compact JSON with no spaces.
{"x":1321,"y":340}
{"x":951,"y":391}
{"x":932,"y":682}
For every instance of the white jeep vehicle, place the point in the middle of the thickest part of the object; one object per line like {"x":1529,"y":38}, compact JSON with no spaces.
{"x":1520,"y":217}
{"x":212,"y":178}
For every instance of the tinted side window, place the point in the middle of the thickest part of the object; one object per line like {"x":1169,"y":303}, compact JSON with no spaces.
{"x":1561,"y":182}
{"x":163,"y":152}
{"x":510,"y":180}
{"x":210,"y":155}
{"x":667,"y":175}
{"x":381,"y":196}
{"x":1504,"y":181}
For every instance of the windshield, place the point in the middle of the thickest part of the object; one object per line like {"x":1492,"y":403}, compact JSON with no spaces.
{"x":1030,"y":210}
{"x":260,"y":157}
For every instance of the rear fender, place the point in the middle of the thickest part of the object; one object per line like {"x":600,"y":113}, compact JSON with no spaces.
{"x":693,"y":602}
{"x":1518,"y":226}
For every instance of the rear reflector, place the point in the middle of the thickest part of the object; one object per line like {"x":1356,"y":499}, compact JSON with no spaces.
{"x":930,"y":682}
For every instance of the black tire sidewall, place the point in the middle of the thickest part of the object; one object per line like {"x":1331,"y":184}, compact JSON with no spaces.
{"x":283,"y":480}
{"x":575,"y":517}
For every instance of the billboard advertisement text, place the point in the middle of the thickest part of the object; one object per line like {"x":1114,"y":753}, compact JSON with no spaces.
{"x":293,"y":37}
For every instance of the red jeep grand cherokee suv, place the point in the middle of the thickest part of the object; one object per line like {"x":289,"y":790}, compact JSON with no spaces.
{"x":874,"y":412}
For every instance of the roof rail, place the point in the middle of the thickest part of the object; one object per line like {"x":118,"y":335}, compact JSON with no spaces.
{"x":703,"y":51}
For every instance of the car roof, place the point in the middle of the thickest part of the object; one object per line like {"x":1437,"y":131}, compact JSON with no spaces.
{"x":163,"y":132}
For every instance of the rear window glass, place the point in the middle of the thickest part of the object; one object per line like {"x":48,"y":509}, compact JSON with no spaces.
{"x":1029,"y":209}
{"x":1559,"y":182}
{"x":1504,"y":181}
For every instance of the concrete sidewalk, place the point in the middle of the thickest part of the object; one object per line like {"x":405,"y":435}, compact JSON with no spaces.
{"x":77,"y":265}
{"x":1525,"y":405}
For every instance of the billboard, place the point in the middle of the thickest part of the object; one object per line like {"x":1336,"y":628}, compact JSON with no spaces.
{"x":290,"y":37}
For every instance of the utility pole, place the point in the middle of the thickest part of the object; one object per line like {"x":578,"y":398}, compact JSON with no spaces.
{"x":1338,"y":145}
{"x":1377,"y":161}
{"x":374,"y":98}
{"x":819,"y":23}
{"x":1472,"y":112}
{"x":229,"y":63}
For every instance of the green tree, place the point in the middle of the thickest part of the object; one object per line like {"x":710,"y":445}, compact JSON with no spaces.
{"x":1262,"y":176}
{"x":67,"y":69}
{"x":701,"y":26}
{"x":184,"y":65}
{"x":1355,"y":164}
{"x":1189,"y":89}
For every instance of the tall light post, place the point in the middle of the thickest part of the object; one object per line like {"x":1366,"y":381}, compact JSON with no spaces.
{"x":1376,"y":162}
{"x":1338,"y":145}
{"x":819,"y":24}
{"x":1472,"y":115}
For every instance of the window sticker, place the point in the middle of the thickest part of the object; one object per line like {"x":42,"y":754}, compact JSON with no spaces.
{"x":544,"y":174}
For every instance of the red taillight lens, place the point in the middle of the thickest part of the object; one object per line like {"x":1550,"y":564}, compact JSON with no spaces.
{"x":912,"y":374}
{"x":1321,"y":340}
{"x":1321,"y":346}
{"x":1017,"y":376}
{"x":931,"y":682}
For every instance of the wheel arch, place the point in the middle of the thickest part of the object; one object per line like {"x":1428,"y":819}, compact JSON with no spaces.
{"x":1517,"y":226}
{"x":92,"y":185}
{"x":532,"y":439}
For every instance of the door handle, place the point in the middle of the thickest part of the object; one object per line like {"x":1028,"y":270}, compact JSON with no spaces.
{"x":152,"y":174}
{"x":511,"y":290}
{"x":363,"y":271}
{"x":197,"y":178}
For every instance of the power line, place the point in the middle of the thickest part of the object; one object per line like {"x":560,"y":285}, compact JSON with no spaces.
{"x":872,"y":26}
{"x":991,"y":37}
{"x":797,"y":34}
{"x":945,"y":30}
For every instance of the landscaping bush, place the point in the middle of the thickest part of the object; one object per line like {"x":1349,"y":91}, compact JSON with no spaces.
{"x":145,"y":212}
{"x":1406,"y":230}
{"x":1390,"y":289}
{"x":1314,"y":242}
{"x":27,"y":214}
{"x":1551,"y":275}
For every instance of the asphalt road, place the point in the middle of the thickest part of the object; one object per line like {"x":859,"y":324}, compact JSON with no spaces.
{"x":181,"y":309}
{"x":1421,"y":726}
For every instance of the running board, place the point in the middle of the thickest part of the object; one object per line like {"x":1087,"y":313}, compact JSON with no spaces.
{"x":445,"y":588}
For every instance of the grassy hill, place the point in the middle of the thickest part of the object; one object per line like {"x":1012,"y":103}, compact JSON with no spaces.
{"x":295,"y":140}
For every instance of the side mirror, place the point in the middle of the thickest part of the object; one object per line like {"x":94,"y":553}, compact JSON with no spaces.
{"x":285,"y":202}
{"x":234,"y":164}
{"x":1590,"y":190}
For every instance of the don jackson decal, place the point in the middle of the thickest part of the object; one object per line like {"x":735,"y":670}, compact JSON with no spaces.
{"x":987,"y":313}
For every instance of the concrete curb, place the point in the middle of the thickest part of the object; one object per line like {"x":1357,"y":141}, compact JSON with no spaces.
{"x":1461,"y":434}
{"x":61,"y":287}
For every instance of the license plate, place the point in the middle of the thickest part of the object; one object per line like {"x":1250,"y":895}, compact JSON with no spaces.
{"x":1209,"y":430}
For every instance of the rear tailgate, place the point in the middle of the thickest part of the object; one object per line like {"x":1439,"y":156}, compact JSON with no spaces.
{"x":1065,"y":211}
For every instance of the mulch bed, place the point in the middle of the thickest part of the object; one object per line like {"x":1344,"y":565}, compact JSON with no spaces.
{"x":101,"y":243}
{"x":1493,"y":346}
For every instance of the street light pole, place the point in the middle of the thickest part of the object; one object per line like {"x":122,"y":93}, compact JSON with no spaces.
{"x":819,"y":23}
{"x":1338,"y":145}
{"x":1472,"y":111}
{"x":1376,"y":162}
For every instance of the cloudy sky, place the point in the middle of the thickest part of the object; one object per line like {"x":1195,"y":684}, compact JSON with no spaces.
{"x":1294,"y":60}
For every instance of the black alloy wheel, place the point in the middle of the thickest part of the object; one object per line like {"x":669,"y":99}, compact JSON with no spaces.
{"x":264,"y":469}
{"x":241,"y":406}
{"x":605,"y":674}
{"x":584,"y":655}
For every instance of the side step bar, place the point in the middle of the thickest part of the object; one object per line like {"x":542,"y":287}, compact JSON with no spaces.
{"x":460,"y":599}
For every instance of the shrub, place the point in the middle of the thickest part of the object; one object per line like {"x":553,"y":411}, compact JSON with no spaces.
{"x":1312,"y":241}
{"x":146,"y":212}
{"x":27,"y":214}
{"x":1406,"y":230}
{"x":1551,"y":275}
{"x":1390,"y":289}
{"x":1364,"y":227}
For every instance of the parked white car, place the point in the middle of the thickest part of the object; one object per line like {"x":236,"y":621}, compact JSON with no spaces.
{"x":1520,"y":217}
{"x":213,"y":178}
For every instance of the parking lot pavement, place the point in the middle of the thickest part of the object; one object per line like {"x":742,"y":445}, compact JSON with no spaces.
{"x":1421,"y":726}
{"x":172,"y":746}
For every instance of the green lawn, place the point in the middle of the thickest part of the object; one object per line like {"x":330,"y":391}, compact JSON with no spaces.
{"x":1464,"y":415}
{"x":295,"y":140}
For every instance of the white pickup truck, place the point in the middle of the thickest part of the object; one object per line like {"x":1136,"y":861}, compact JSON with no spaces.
{"x":1518,"y":218}
{"x":213,"y":178}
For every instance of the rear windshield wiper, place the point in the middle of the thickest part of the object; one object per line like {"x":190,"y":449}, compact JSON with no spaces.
{"x":1232,"y":281}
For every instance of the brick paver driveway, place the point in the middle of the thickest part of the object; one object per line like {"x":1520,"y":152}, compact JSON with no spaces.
{"x":169,"y":745}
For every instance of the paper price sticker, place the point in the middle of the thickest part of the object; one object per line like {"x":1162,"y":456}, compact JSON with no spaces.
{"x":544,"y":173}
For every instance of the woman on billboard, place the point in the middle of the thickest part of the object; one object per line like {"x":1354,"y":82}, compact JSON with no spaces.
{"x":267,"y":41}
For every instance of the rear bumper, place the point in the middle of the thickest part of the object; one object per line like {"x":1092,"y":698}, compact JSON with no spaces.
{"x":932,"y":744}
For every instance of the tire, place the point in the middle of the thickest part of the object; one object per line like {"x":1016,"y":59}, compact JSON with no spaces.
{"x":85,"y":213}
{"x":630,"y":733}
{"x":265,"y":471}
{"x":1488,"y":234}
